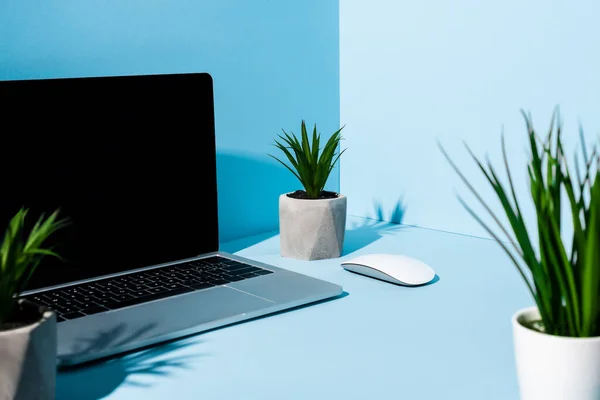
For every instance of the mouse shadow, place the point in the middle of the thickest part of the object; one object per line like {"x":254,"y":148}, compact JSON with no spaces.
{"x":361,"y":234}
{"x":435,"y":279}
{"x":98,"y":379}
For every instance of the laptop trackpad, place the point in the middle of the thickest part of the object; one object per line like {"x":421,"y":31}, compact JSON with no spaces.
{"x":130,"y":328}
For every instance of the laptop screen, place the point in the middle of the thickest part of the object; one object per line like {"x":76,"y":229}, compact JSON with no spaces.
{"x":129,"y":160}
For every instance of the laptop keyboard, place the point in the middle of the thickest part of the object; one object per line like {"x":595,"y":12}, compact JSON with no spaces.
{"x":127,"y":290}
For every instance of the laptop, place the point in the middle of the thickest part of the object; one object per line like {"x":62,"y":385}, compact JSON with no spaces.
{"x":131,"y":161}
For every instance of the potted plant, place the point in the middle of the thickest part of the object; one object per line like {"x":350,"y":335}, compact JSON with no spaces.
{"x":312,"y":221}
{"x":557,"y":342}
{"x":27,"y":331}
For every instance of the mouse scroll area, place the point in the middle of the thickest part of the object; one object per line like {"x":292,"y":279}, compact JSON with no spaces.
{"x":370,"y":272}
{"x":392,"y":268}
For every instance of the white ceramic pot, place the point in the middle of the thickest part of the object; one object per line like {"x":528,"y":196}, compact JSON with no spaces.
{"x":554,"y":367}
{"x":312,"y":229}
{"x":28,"y":359}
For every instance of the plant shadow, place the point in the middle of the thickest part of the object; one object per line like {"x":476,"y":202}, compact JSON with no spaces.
{"x":241,"y":244}
{"x":361,"y":234}
{"x":249,"y":186}
{"x":98,"y":379}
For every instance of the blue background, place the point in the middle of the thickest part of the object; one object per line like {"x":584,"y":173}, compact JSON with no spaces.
{"x":273,"y":63}
{"x":400,"y":76}
{"x":416,"y":72}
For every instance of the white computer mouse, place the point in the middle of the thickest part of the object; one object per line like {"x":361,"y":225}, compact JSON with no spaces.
{"x":394,"y":268}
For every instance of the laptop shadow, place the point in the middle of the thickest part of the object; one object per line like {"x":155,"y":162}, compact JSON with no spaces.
{"x":98,"y":379}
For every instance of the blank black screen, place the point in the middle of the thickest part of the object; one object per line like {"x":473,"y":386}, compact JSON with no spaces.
{"x":129,"y":160}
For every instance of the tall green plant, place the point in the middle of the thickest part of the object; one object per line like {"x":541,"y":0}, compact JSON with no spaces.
{"x":564,"y":275}
{"x":20,"y":254}
{"x":308,"y":165}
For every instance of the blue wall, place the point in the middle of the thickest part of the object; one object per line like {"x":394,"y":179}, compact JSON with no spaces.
{"x":416,"y":72}
{"x":274,"y":63}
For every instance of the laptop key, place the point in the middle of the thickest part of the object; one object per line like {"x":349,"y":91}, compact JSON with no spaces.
{"x":104,"y":300}
{"x":189,"y":282}
{"x":172,"y":286}
{"x":101,"y":295}
{"x":40,"y":300}
{"x":113,"y":284}
{"x":213,"y":275}
{"x":70,"y":304}
{"x":116,"y":291}
{"x":249,"y":275}
{"x":158,"y":289}
{"x":140,"y":293}
{"x":122,"y":297}
{"x":82,"y":299}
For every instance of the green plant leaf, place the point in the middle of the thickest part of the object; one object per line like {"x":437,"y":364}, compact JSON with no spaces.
{"x":21,"y":252}
{"x":590,"y":288}
{"x":309,"y":164}
{"x":565,"y":286}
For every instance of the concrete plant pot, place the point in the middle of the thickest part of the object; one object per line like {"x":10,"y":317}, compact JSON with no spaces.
{"x":28,"y":356}
{"x":312,"y":229}
{"x":554,"y":367}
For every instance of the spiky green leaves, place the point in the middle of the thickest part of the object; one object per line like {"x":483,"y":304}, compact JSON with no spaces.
{"x":565,"y":274}
{"x":308,"y":163}
{"x":20,"y":254}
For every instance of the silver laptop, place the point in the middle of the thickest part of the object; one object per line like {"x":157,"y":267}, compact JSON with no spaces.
{"x":131,"y":161}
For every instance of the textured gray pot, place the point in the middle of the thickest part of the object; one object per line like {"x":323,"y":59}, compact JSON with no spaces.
{"x":312,"y":229}
{"x":28,"y":360}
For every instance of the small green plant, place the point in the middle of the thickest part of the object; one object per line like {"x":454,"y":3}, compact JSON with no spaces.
{"x":308,"y":165}
{"x":20,"y":254}
{"x":564,"y":275}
